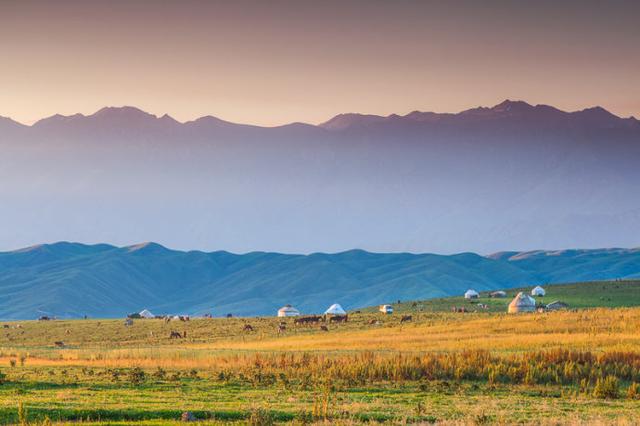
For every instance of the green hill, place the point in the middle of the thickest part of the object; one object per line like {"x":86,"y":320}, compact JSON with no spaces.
{"x":608,"y":294}
{"x":70,"y":280}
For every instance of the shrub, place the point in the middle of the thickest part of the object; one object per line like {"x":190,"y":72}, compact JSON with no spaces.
{"x":606,"y":388}
{"x":22,"y":414}
{"x":304,"y":417}
{"x":160,"y":374}
{"x":261,"y":417}
{"x":137,"y":376}
{"x":633,"y":392}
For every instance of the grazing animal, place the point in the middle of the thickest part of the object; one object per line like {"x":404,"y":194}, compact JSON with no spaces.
{"x":282,"y":328}
{"x":5,"y":326}
{"x":128,"y":322}
{"x":307,"y":320}
{"x":248,"y":327}
{"x":175,"y":335}
{"x":59,"y":344}
{"x":406,"y":318}
{"x":324,"y":328}
{"x":340,"y":318}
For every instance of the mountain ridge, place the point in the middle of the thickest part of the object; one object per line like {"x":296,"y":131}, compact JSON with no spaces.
{"x":70,"y":280}
{"x":512,"y":175}
{"x":337,"y":122}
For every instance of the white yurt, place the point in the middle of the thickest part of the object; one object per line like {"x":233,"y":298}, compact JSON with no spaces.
{"x":145,"y":313}
{"x":386,"y":309}
{"x":335,"y":309}
{"x":538,"y":291}
{"x":522,"y":303}
{"x":471,"y":294}
{"x":288,"y":311}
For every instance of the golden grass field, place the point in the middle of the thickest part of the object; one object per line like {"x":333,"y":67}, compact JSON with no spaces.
{"x":538,"y":368}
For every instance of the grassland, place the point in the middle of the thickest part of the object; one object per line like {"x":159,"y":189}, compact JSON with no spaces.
{"x":609,"y":294}
{"x":568,"y":367}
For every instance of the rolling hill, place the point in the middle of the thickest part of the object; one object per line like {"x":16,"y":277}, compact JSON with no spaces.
{"x":591,"y":294}
{"x":71,"y":280}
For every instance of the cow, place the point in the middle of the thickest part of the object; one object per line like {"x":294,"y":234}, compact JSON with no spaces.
{"x":324,"y":328}
{"x":248,"y":327}
{"x":339,"y":318}
{"x":307,"y":320}
{"x":406,"y":318}
{"x":282,"y":328}
{"x":175,"y":335}
{"x":59,"y":344}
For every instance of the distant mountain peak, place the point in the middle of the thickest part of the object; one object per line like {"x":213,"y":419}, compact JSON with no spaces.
{"x":127,"y":112}
{"x":345,"y":120}
{"x":8,"y":122}
{"x":147,"y":247}
{"x":58,"y":118}
{"x":512,"y":106}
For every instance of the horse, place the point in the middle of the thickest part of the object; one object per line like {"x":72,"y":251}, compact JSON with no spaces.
{"x":406,"y":318}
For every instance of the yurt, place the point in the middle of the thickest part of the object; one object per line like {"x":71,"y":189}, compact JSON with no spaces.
{"x":498,"y":293}
{"x":538,"y":291}
{"x":522,"y":303}
{"x":386,"y":309}
{"x":146,"y":314}
{"x":335,"y":309}
{"x":288,"y":311}
{"x":471,"y":294}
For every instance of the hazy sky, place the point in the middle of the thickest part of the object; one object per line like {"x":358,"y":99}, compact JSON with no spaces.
{"x":273,"y":62}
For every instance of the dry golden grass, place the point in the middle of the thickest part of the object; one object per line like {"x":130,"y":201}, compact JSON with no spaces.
{"x":443,"y":367}
{"x":589,"y":330}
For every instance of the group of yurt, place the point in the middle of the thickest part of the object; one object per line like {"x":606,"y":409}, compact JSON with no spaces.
{"x":290,"y":311}
{"x":522,"y":302}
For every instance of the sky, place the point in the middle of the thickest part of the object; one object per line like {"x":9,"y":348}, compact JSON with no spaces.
{"x":275,"y":62}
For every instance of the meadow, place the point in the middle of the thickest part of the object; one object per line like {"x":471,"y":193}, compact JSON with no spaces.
{"x":578,"y":366}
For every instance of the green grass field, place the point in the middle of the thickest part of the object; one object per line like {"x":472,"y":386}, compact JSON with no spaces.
{"x":610,"y":294}
{"x":580,"y":366}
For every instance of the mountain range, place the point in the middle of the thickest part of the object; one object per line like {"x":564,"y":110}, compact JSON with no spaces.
{"x":70,"y":280}
{"x":483,"y":180}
